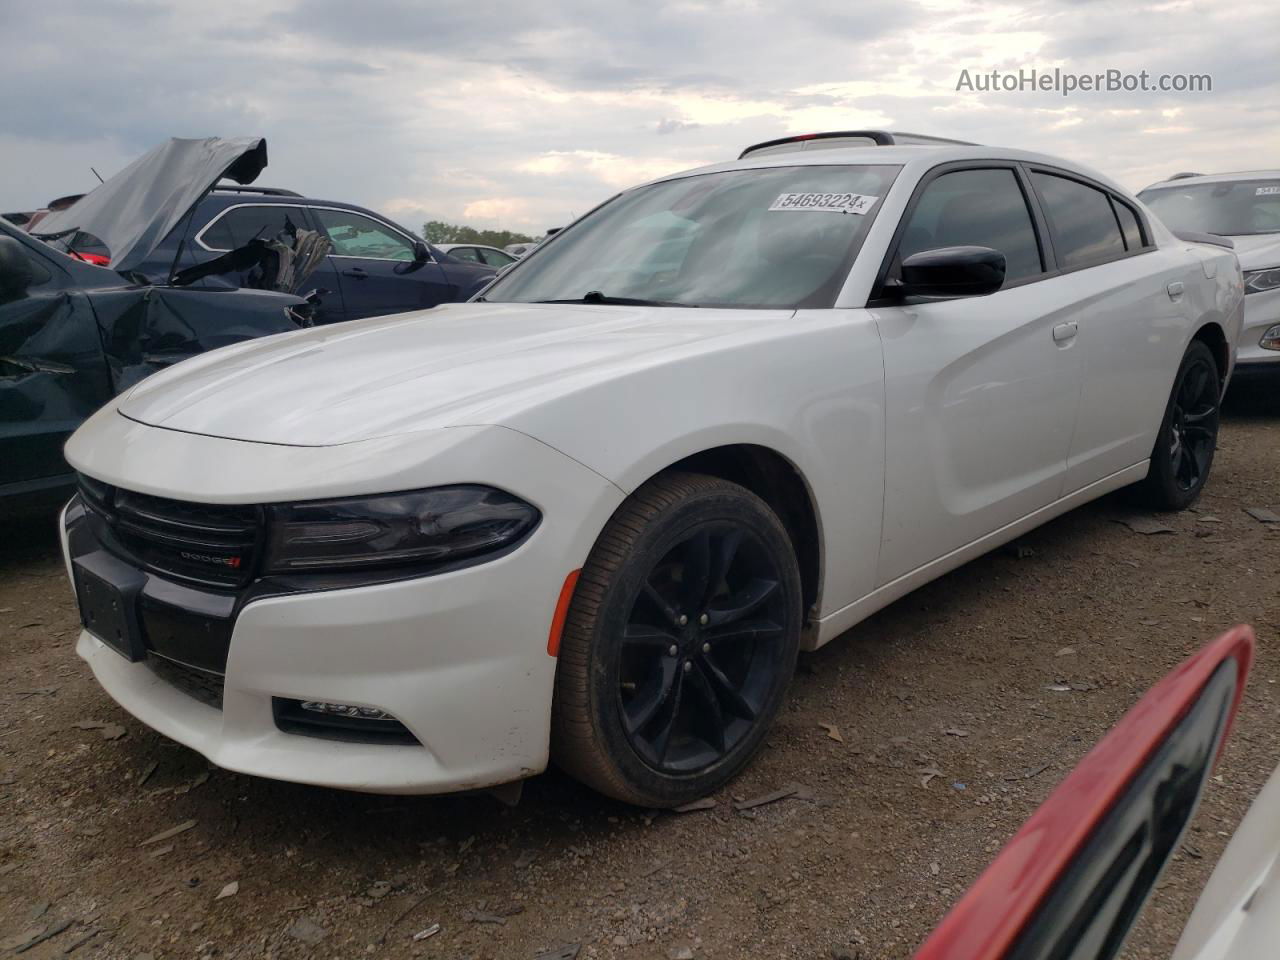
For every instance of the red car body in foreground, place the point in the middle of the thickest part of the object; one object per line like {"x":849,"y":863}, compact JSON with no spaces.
{"x":1071,"y":882}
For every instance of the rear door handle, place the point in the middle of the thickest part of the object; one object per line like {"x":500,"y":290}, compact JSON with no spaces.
{"x":1175,"y":289}
{"x":1065,"y":332}
{"x":356,"y":272}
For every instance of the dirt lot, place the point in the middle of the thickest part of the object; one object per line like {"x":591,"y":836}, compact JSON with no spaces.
{"x":950,"y":739}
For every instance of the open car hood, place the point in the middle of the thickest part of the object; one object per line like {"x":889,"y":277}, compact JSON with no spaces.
{"x":132,"y":212}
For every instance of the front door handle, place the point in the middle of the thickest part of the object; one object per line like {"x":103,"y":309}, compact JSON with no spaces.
{"x":357,"y":273}
{"x":1065,"y":332}
{"x":1175,"y":289}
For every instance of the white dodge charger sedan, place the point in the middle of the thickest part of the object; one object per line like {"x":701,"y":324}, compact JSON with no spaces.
{"x":592,"y":517}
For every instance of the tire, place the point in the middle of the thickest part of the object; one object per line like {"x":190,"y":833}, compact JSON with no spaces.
{"x":1184,"y":447}
{"x":638,"y":694}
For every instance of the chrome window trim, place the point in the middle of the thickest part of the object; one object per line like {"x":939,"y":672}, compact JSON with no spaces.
{"x":199,"y":237}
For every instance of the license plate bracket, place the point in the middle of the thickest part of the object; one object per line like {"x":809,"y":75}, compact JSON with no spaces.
{"x":107,"y":591}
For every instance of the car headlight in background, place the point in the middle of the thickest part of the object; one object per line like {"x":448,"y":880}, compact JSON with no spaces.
{"x":1259,"y":281}
{"x":421,"y":528}
{"x":1270,"y":338}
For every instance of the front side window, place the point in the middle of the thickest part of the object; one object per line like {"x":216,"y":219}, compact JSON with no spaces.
{"x":238,"y":225}
{"x":1237,"y":208}
{"x":355,"y":235}
{"x":1084,"y":225}
{"x":772,"y":237}
{"x":470,"y":254}
{"x":980,"y":208}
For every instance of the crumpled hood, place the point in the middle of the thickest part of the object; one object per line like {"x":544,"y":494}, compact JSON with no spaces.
{"x":1258,"y":251}
{"x":457,"y":364}
{"x":136,"y":209}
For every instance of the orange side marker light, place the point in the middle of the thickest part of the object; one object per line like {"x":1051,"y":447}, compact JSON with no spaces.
{"x":562,"y":613}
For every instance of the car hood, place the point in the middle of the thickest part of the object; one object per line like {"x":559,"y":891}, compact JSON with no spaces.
{"x":1258,"y":250}
{"x":132,"y":212}
{"x":457,"y":364}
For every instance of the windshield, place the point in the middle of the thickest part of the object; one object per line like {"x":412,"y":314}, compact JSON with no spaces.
{"x":1233,"y":209}
{"x":772,"y":237}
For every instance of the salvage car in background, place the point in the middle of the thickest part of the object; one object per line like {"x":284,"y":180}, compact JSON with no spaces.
{"x":72,"y":334}
{"x":594,"y":514}
{"x":375,"y":267}
{"x":1072,"y":882}
{"x":1244,"y":208}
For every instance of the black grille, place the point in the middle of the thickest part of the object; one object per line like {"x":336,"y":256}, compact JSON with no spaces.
{"x":210,"y":544}
{"x":202,"y":685}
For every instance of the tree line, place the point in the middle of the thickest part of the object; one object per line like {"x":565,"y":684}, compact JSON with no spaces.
{"x":438,"y":231}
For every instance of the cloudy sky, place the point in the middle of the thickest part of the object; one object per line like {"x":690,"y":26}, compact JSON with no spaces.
{"x":521,"y":114}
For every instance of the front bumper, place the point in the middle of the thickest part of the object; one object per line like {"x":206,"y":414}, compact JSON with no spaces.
{"x":459,"y":658}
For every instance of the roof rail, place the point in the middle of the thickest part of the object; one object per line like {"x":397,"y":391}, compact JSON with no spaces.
{"x":1184,"y":175}
{"x":878,"y":138}
{"x":266,"y":191}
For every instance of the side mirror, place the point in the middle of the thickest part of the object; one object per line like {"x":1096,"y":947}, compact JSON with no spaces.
{"x":16,"y":274}
{"x":953,"y":272}
{"x":421,"y":252}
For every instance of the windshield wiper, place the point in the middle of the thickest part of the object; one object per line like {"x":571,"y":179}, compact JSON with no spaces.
{"x":595,"y":296}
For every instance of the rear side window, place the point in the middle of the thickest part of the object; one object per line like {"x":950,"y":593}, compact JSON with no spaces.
{"x":982,"y":208}
{"x":239,"y":225}
{"x":1085,"y":230}
{"x":1129,"y":226}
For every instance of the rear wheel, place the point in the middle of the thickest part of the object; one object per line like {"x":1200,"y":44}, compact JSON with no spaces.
{"x":679,"y":644}
{"x":1183,"y":453}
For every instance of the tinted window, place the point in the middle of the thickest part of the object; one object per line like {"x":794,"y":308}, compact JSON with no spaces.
{"x":239,"y":225}
{"x":735,"y":238}
{"x":1128,"y":226}
{"x":983,"y":208}
{"x":465,"y":253}
{"x":496,"y":258}
{"x":1084,"y":227}
{"x":1235,"y":208}
{"x":354,"y":235}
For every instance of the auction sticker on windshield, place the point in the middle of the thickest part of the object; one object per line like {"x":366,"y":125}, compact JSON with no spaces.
{"x":858,"y":203}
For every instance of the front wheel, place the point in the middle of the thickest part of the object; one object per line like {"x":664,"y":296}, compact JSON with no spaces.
{"x":679,"y":644}
{"x":1183,"y":453}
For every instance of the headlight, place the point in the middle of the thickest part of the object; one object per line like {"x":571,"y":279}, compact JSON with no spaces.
{"x":1258,"y":281}
{"x":423,"y":527}
{"x":1270,"y":338}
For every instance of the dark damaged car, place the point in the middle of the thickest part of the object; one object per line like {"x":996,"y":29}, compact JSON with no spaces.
{"x":73,"y":334}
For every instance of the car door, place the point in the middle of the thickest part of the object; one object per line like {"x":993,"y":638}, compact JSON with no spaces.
{"x":1130,"y":317}
{"x":980,"y":393}
{"x":236,"y":225}
{"x":377,"y":266}
{"x":52,"y":370}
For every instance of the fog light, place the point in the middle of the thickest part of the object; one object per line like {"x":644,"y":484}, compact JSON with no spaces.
{"x":339,"y":721}
{"x":1271,"y":338}
{"x":345,"y":710}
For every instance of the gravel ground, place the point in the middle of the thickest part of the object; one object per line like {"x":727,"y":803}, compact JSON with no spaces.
{"x":946,"y":738}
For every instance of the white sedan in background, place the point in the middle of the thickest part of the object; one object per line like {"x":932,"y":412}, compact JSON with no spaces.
{"x":1245,"y":209}
{"x":593,"y":516}
{"x":478,"y":253}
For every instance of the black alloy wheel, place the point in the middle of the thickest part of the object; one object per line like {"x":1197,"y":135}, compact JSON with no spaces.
{"x":1183,"y":453}
{"x":680,"y":642}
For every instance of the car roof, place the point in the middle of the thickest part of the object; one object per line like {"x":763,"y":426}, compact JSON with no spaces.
{"x":1216,"y":178}
{"x":913,"y":159}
